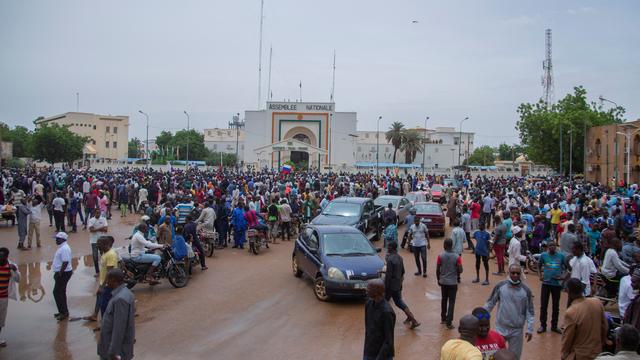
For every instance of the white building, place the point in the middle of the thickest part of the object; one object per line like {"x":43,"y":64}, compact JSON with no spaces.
{"x":309,"y":133}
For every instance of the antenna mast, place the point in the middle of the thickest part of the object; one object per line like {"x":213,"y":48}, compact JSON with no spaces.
{"x":260,"y":57}
{"x":269,"y":94}
{"x":547,"y":67}
{"x":333,"y":82}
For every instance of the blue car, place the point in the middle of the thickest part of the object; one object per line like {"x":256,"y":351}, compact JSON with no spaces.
{"x":339,"y":259}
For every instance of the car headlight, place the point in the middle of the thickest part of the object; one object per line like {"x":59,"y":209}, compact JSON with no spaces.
{"x":335,"y":274}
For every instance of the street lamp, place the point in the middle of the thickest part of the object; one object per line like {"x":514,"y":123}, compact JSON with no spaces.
{"x":460,"y":138}
{"x":378,"y":145}
{"x":424,"y":145}
{"x":601,"y":98}
{"x":186,"y":113}
{"x":146,"y":145}
{"x":628,"y":138}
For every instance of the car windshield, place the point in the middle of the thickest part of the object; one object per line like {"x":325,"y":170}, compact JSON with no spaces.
{"x":384,"y":201}
{"x":436,"y":188}
{"x":428,"y":209}
{"x":346,"y":245}
{"x":342,"y":209}
{"x":415,"y":197}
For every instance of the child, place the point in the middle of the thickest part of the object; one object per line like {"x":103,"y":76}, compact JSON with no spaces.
{"x":448,"y":270}
{"x":482,"y":253}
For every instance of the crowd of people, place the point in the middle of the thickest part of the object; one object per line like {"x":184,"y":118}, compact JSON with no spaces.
{"x":580,"y":237}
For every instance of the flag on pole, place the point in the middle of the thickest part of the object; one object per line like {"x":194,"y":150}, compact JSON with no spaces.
{"x":286,"y":169}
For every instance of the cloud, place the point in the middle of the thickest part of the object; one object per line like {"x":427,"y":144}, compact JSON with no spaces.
{"x":581,"y":10}
{"x":520,"y":20}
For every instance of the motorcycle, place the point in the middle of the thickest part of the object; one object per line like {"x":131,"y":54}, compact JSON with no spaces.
{"x":533,"y":262}
{"x":604,"y":289}
{"x":209,"y":240}
{"x":257,"y":240}
{"x":169,"y":268}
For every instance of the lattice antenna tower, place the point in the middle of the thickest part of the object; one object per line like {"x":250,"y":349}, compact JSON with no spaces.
{"x":547,"y":67}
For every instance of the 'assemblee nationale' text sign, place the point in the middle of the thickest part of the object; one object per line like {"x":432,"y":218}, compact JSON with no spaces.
{"x":289,"y":106}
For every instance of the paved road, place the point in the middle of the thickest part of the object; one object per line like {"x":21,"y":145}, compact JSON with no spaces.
{"x":243,"y":307}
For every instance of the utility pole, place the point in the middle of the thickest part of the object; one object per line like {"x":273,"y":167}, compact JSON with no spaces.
{"x":260,"y":56}
{"x":378,"y":146}
{"x":561,"y":172}
{"x":424,"y":146}
{"x":146,"y":146}
{"x":188,"y":132}
{"x":460,"y":139}
{"x":571,"y":153}
{"x":237,"y":124}
{"x":547,"y":76}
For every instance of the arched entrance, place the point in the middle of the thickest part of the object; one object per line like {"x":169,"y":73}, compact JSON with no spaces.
{"x":301,"y":158}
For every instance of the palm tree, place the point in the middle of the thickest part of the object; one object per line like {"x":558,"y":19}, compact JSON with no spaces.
{"x":394,"y":136}
{"x":412,"y":142}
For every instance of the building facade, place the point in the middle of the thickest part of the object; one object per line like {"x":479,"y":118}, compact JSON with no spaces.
{"x":607,"y":157}
{"x":108,"y":135}
{"x":225,"y":141}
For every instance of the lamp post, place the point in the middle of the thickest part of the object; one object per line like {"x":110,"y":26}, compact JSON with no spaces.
{"x":146,"y":144}
{"x":602,"y":99}
{"x":424,"y":145}
{"x":460,"y":138}
{"x":186,"y":113}
{"x":378,"y":146}
{"x":627,"y":135}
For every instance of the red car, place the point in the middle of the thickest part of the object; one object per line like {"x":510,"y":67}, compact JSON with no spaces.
{"x":431,"y":214}
{"x":437,"y":191}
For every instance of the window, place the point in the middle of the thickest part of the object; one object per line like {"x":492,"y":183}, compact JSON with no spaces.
{"x":106,"y":145}
{"x":215,"y":146}
{"x":94,"y":127}
{"x":359,"y":148}
{"x":108,"y":129}
{"x":373,"y":149}
{"x":366,"y":135}
{"x":242,"y":146}
{"x":115,"y":144}
{"x":598,"y":147}
{"x":456,"y":140}
{"x":436,"y":150}
{"x":208,"y":132}
{"x":115,"y":130}
{"x":219,"y":133}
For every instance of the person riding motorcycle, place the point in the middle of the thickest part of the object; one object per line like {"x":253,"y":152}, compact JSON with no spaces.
{"x":139,"y":245}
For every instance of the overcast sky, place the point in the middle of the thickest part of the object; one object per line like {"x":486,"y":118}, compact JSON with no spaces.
{"x":463,"y":58}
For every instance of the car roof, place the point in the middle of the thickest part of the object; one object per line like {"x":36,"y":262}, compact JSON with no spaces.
{"x":353,"y":200}
{"x":389,"y":197}
{"x":334,"y":229}
{"x":426,"y":203}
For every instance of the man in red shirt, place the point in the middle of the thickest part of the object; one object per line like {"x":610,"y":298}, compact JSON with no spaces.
{"x":475,"y":214}
{"x":488,"y":341}
{"x":8,"y":272}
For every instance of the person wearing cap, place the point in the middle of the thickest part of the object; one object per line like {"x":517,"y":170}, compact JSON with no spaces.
{"x":488,"y":341}
{"x":515,"y":254}
{"x":62,"y":271}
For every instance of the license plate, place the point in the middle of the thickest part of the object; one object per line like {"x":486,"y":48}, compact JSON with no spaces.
{"x":427,"y":220}
{"x":362,"y":285}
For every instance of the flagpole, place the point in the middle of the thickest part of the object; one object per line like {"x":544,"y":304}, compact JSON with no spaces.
{"x":300,"y":90}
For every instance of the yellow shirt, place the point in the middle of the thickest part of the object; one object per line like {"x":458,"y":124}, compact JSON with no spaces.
{"x":107,"y":260}
{"x":555,"y":216}
{"x":458,"y":349}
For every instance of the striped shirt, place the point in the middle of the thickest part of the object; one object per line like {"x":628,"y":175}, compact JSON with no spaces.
{"x":5,"y":276}
{"x":184,"y":209}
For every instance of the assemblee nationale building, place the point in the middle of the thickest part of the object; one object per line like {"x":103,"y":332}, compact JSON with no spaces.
{"x":316,"y":134}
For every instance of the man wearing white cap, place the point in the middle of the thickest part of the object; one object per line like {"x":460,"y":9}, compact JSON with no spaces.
{"x":62,"y":271}
{"x":515,"y":255}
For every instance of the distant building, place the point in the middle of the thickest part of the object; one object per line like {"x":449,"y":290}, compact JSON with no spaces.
{"x":607,"y":153}
{"x":224,"y":141}
{"x":108,"y":135}
{"x":6,"y":151}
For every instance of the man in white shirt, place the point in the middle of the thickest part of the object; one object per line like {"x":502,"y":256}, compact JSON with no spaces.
{"x":207,"y":217}
{"x":612,"y":267}
{"x":515,"y":254}
{"x":626,"y":294}
{"x":34,"y":221}
{"x":61,"y":267}
{"x":582,"y":267}
{"x":98,"y":226}
{"x":139,"y":245}
{"x":58,"y":211}
{"x":419,"y":235}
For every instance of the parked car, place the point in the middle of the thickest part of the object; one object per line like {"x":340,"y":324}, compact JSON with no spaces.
{"x":401,"y":205}
{"x":339,"y":260}
{"x":431,"y":214}
{"x":360,"y":213}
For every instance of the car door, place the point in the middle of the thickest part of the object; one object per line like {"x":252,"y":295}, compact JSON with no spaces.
{"x":315,"y":256}
{"x":367,"y":216}
{"x":303,"y":252}
{"x":404,"y":206}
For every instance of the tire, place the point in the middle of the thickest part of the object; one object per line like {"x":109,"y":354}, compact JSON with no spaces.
{"x":130,"y":283}
{"x":295,"y":268}
{"x":320,"y":290}
{"x":255,"y":247}
{"x":207,"y":246}
{"x":177,"y":276}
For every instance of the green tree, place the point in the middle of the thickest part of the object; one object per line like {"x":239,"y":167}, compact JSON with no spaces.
{"x":483,"y":156}
{"x":213,"y":158}
{"x":509,"y":152}
{"x":197,"y":150}
{"x":55,"y":143}
{"x":22,"y":138}
{"x":412,"y":143}
{"x":164,"y":139}
{"x":540,"y":127}
{"x":394,"y":136}
{"x":134,"y":148}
